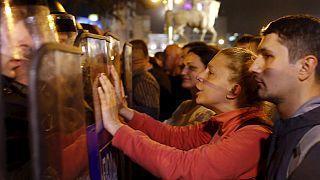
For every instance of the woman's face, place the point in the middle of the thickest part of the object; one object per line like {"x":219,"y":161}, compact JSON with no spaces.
{"x":213,"y":83}
{"x":192,"y":66}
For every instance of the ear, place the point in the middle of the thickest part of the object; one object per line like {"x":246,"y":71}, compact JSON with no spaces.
{"x":308,"y":65}
{"x":234,"y":92}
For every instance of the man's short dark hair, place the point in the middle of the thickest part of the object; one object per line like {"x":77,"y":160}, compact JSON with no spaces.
{"x":248,"y":38}
{"x":194,"y":44}
{"x":299,"y":33}
{"x":140,"y":44}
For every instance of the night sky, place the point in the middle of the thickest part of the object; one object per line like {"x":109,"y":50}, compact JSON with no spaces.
{"x":248,"y":16}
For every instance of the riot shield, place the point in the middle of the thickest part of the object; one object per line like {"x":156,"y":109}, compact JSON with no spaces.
{"x":114,"y":51}
{"x":57,"y":118}
{"x":66,"y":27}
{"x":2,"y":136}
{"x":104,"y":159}
{"x":25,"y":26}
{"x":127,"y":71}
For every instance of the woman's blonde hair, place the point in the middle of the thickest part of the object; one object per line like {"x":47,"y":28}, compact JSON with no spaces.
{"x":239,"y":62}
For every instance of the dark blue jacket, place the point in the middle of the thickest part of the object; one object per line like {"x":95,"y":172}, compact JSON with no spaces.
{"x":286,"y":136}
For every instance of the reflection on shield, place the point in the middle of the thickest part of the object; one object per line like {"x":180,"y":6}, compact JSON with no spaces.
{"x":102,"y":155}
{"x":94,"y":61}
{"x":57,"y":114}
{"x":2,"y":136}
{"x":127,"y":71}
{"x":114,"y":51}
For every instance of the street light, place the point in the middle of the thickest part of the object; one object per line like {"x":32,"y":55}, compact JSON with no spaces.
{"x":155,"y":1}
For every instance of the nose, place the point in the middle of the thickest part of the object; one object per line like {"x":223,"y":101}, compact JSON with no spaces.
{"x":184,"y":69}
{"x":257,"y":66}
{"x":201,"y":76}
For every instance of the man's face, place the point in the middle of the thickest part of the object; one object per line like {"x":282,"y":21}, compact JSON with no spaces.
{"x":276,"y":76}
{"x":169,"y":60}
{"x":138,"y":59}
{"x":16,"y":46}
{"x":172,"y":58}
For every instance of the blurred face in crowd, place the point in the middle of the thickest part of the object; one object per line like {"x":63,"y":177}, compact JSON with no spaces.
{"x":16,"y":46}
{"x":138,"y":59}
{"x":172,"y":58}
{"x":214,"y":83}
{"x":191,"y":68}
{"x":276,"y":76}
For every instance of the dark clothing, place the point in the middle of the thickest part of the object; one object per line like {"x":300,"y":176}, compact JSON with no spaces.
{"x":146,"y":97}
{"x":146,"y":94}
{"x":16,"y":124}
{"x":286,"y":136}
{"x":180,"y":94}
{"x":166,"y":98}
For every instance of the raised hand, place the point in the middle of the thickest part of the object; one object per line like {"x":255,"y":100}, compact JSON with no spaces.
{"x":121,"y":97}
{"x":109,"y":106}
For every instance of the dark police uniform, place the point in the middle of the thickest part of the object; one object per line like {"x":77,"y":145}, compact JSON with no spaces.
{"x":16,"y":125}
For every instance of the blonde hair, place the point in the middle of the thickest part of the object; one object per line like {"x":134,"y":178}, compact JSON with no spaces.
{"x":239,"y":62}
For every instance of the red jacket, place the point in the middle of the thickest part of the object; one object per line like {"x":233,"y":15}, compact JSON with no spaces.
{"x":195,"y":152}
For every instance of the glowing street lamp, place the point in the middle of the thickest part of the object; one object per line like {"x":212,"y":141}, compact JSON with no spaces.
{"x":155,"y":1}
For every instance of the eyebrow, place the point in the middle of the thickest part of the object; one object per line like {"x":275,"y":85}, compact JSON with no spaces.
{"x":263,"y":50}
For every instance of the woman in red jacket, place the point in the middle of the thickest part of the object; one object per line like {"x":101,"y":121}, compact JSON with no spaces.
{"x":226,"y":147}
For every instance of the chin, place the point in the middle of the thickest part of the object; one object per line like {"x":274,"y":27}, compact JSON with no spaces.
{"x":10,"y":74}
{"x":186,"y":85}
{"x":198,"y":101}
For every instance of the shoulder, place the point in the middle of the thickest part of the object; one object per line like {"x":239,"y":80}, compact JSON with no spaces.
{"x":145,"y":79}
{"x":309,"y":167}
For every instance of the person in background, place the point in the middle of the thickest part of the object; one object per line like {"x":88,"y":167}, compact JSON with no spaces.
{"x":251,"y":43}
{"x":189,"y":112}
{"x":248,"y":41}
{"x":287,"y":70}
{"x":172,"y":62}
{"x":187,"y":47}
{"x":145,"y":88}
{"x":228,"y":146}
{"x":166,"y":98}
{"x":159,"y":58}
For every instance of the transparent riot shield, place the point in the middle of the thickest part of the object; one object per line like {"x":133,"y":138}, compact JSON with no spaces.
{"x":114,"y":51}
{"x":104,"y":159}
{"x":24,"y":27}
{"x":57,"y":117}
{"x":127,"y":71}
{"x":2,"y":136}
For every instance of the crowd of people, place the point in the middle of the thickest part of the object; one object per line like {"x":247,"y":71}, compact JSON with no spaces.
{"x":279,"y":70}
{"x":198,"y":111}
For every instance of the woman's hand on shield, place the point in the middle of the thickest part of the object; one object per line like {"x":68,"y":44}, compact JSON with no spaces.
{"x":109,"y":106}
{"x":121,"y":97}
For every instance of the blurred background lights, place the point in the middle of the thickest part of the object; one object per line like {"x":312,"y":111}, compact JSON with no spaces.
{"x":187,"y":6}
{"x":221,"y":41}
{"x":178,"y":1}
{"x":232,"y":38}
{"x":93,"y":17}
{"x":153,"y":46}
{"x":199,"y":7}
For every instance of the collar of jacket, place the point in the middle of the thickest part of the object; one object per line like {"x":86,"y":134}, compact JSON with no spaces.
{"x":310,"y":118}
{"x":229,"y":121}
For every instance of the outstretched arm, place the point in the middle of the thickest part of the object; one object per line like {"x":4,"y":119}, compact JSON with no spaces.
{"x":109,"y":106}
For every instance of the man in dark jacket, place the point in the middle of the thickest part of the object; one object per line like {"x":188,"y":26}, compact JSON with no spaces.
{"x":145,"y":88}
{"x":288,"y":71}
